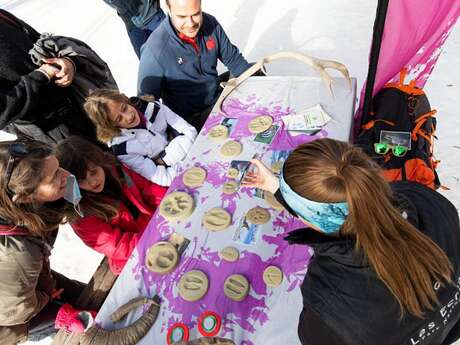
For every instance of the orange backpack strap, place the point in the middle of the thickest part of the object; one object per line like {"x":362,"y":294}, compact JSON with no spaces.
{"x":418,"y":125}
{"x":410,"y":88}
{"x":371,"y":123}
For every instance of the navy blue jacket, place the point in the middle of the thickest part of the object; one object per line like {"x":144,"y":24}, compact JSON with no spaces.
{"x":186,"y":81}
{"x":345,"y":302}
{"x":135,"y":12}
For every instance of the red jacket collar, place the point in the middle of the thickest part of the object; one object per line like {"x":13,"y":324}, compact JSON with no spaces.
{"x":188,"y":40}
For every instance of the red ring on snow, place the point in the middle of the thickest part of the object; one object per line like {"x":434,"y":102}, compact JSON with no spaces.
{"x":178,"y":325}
{"x":216,"y":328}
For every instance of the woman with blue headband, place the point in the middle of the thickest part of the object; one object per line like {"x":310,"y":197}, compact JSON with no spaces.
{"x":386,"y":264}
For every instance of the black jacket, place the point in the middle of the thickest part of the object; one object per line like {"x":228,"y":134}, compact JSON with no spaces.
{"x":344,"y":301}
{"x":29,"y":103}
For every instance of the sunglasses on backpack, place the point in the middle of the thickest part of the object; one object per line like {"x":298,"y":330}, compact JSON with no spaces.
{"x":384,"y":148}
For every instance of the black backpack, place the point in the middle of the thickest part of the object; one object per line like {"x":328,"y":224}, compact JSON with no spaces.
{"x":400,"y":107}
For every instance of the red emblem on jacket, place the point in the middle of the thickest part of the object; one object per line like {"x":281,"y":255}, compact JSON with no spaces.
{"x":210,"y":43}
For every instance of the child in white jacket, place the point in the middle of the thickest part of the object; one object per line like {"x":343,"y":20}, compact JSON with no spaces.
{"x":147,"y":137}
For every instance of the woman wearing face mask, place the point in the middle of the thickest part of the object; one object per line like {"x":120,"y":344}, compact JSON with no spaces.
{"x":387,"y":256}
{"x":116,"y":203}
{"x":32,"y":187}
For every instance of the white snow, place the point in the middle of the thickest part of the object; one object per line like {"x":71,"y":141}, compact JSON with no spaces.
{"x":334,"y":29}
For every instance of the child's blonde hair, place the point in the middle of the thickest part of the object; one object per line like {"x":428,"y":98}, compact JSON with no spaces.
{"x":98,"y":111}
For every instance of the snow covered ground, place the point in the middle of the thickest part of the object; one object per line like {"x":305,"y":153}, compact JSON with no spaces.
{"x":334,"y":29}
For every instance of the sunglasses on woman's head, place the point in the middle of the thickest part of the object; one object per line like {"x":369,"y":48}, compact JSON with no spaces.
{"x":383,"y":149}
{"x":16,"y":152}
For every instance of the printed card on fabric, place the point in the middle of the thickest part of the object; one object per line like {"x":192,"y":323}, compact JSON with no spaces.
{"x":230,"y":123}
{"x":267,"y":136}
{"x":396,"y":138}
{"x":246,"y":232}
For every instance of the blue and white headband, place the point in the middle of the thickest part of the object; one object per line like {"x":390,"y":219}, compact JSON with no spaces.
{"x":328,"y":217}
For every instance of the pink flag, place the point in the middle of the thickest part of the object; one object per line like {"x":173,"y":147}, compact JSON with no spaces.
{"x":414,"y":33}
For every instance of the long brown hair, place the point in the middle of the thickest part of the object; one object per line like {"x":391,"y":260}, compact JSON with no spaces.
{"x":75,"y":154}
{"x":98,"y":111}
{"x":37,"y":218}
{"x":407,"y":261}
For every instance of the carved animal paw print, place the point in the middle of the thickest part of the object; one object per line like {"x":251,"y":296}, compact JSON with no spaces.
{"x":162,"y":257}
{"x":177,"y":206}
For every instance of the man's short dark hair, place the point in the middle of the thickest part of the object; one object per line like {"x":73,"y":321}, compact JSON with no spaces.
{"x":167,"y":3}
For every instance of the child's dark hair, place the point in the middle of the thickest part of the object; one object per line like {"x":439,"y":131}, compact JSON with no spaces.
{"x":76,"y":154}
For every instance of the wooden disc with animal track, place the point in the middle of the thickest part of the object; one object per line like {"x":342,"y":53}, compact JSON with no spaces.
{"x":193,"y":285}
{"x":236,"y":287}
{"x":194,"y":177}
{"x":177,"y":206}
{"x":260,"y":124}
{"x":230,"y":187}
{"x":272,"y":276}
{"x":258,"y":215}
{"x":231,"y":149}
{"x":162,"y":257}
{"x":217,"y":219}
{"x":218,"y":133}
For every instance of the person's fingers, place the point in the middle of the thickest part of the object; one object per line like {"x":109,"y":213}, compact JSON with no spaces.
{"x":51,"y":61}
{"x":65,"y":71}
{"x":259,"y":165}
{"x":256,"y":162}
{"x":249,"y":180}
{"x":62,"y":82}
{"x":249,"y":184}
{"x":62,"y":73}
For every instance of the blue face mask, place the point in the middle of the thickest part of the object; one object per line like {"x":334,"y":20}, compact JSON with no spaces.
{"x":72,"y":193}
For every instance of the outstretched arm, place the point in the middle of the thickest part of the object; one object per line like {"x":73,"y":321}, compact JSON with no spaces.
{"x":229,"y":54}
{"x":22,"y":98}
{"x":146,"y":167}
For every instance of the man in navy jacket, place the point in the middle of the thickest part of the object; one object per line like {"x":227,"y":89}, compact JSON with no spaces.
{"x":178,"y":61}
